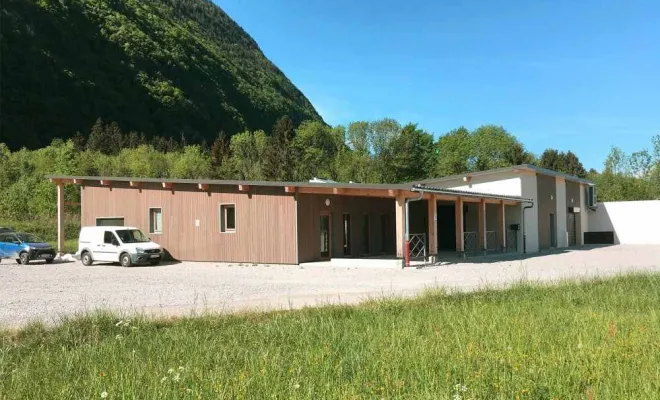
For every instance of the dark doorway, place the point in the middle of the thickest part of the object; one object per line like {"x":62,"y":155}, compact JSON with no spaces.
{"x":325,"y":236}
{"x":347,"y":234}
{"x":385,"y":233}
{"x":446,"y":228}
{"x":366,"y":240}
{"x":553,"y":231}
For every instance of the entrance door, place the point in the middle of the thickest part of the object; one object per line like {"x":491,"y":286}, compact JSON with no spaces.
{"x":553,"y":231}
{"x":572,"y":229}
{"x":325,"y":236}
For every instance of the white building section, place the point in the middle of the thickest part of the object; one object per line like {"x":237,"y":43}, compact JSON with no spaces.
{"x":503,"y":185}
{"x":633,"y":222}
{"x":562,"y":234}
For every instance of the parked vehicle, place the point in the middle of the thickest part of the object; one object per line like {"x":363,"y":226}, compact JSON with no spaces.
{"x":25,"y":247}
{"x":126,"y":245}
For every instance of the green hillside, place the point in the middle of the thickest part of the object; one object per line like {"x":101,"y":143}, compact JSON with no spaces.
{"x":162,"y":67}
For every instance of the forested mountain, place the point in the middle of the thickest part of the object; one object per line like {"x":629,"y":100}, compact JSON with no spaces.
{"x":168,"y":68}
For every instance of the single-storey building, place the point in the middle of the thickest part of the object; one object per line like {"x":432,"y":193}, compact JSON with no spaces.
{"x":516,"y":209}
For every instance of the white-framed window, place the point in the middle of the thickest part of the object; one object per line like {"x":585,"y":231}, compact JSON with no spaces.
{"x":155,"y":220}
{"x":227,"y":218}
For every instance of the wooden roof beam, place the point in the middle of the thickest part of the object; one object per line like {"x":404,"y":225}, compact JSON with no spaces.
{"x":168,"y":185}
{"x":134,"y":183}
{"x":289,"y":189}
{"x":105,"y":182}
{"x":203,"y":186}
{"x":243,"y":188}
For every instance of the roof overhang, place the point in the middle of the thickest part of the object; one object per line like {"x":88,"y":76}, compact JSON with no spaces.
{"x":471,"y":195}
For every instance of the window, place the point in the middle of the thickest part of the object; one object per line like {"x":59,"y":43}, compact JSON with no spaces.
{"x":155,"y":220}
{"x":227,"y":218}
{"x":109,"y":238}
{"x":111,"y":221}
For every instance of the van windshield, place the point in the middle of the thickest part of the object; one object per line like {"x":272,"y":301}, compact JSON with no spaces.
{"x":132,"y":236}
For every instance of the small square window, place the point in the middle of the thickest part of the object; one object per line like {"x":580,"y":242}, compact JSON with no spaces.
{"x":227,"y":218}
{"x":155,"y":220}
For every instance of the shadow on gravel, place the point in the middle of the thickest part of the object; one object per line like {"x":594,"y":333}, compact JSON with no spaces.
{"x":500,"y":257}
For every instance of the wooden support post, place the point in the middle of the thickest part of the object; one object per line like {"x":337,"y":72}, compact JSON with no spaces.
{"x":501,"y":224}
{"x":400,"y":212}
{"x":481,"y":231}
{"x":458,"y":217}
{"x":60,"y":217}
{"x":433,"y":225}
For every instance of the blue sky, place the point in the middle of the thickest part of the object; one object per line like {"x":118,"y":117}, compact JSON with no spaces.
{"x":581,"y":76}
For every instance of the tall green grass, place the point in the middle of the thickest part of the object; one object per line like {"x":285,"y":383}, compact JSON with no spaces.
{"x":591,"y":340}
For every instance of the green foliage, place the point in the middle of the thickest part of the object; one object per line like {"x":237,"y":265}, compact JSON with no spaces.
{"x":487,"y":147}
{"x":563,"y":162}
{"x":162,"y":67}
{"x":588,"y":340}
{"x":630,"y":177}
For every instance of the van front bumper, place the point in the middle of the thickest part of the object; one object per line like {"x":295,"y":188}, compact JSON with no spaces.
{"x":144,"y":258}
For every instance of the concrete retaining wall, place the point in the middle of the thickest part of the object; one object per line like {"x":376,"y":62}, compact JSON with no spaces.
{"x":633,"y":222}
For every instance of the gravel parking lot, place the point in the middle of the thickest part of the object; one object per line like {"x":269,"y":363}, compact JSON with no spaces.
{"x":47,"y":292}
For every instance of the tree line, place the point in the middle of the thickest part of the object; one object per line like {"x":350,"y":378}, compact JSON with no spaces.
{"x":382,"y":151}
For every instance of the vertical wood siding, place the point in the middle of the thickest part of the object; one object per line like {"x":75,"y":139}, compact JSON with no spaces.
{"x":310,"y":207}
{"x":265,"y":220}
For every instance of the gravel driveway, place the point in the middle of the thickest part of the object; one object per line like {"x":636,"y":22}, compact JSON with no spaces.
{"x":46,"y":292}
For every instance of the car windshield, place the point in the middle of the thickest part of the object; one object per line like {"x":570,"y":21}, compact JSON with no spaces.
{"x":28,"y":238}
{"x":132,"y":236}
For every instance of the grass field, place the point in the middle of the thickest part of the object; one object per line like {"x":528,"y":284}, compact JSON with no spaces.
{"x":592,"y":340}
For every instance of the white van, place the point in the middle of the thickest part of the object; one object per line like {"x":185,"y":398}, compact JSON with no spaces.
{"x":124,"y":244}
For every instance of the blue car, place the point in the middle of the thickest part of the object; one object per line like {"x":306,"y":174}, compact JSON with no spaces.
{"x":25,"y":247}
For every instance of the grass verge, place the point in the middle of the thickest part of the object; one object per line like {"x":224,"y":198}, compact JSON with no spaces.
{"x":594,"y":340}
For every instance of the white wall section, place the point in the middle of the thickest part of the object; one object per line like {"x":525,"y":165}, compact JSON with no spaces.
{"x":562,"y":235}
{"x":531,"y":232}
{"x":503,"y":186}
{"x":633,"y":222}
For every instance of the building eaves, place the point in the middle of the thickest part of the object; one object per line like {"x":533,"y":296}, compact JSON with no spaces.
{"x":515,"y":168}
{"x":465,"y":193}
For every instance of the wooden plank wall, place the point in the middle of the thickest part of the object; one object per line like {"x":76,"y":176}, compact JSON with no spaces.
{"x":265,"y":220}
{"x":310,"y":207}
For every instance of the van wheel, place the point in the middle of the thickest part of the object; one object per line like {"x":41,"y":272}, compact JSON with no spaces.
{"x":87,"y":259}
{"x":125,"y":260}
{"x":24,"y":258}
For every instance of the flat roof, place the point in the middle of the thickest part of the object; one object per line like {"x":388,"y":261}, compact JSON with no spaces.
{"x":523,"y":167}
{"x":331,"y":185}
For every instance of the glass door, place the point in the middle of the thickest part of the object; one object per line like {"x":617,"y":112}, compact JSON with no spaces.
{"x":325,"y":236}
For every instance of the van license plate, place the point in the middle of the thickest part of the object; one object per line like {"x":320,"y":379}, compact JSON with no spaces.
{"x":154,"y":256}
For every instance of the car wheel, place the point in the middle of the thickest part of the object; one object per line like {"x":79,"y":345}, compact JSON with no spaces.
{"x":87,"y":259}
{"x":24,"y":258}
{"x":125,"y":260}
{"x":49,"y":260}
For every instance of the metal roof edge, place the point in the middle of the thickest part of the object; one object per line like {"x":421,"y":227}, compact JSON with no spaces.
{"x":338,"y":185}
{"x":425,"y":188}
